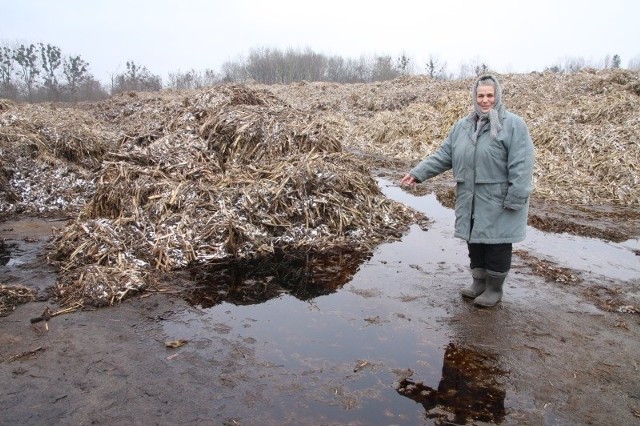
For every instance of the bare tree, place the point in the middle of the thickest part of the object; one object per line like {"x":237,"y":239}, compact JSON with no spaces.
{"x":75,"y":70}
{"x":26,"y":58}
{"x":305,"y":65}
{"x":435,"y":68}
{"x":7,"y":62}
{"x":481,"y":69}
{"x":210,"y":77}
{"x":63,"y":78}
{"x":554,"y":69}
{"x":193,"y":79}
{"x":466,"y":71}
{"x":403,"y":64}
{"x":234,"y":71}
{"x":316,"y":66}
{"x":358,"y":70}
{"x":616,"y":61}
{"x":273,"y":66}
{"x":474,"y":68}
{"x":335,"y":69}
{"x":51,"y":59}
{"x":383,"y":69}
{"x":90,"y":89}
{"x":180,"y":81}
{"x":136,"y":78}
{"x":572,"y":64}
{"x":260,"y":67}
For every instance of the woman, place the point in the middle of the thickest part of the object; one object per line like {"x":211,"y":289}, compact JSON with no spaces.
{"x":492,"y":155}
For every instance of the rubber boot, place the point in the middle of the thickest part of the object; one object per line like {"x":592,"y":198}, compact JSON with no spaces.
{"x":479,"y":284}
{"x":493,"y":294}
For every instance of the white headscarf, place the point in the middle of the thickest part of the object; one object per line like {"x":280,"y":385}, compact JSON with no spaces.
{"x":492,"y":115}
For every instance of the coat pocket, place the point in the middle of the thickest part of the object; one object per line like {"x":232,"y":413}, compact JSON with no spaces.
{"x":501,"y":190}
{"x":494,"y":193}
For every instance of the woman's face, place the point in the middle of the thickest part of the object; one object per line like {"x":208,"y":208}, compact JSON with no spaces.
{"x":486,"y":97}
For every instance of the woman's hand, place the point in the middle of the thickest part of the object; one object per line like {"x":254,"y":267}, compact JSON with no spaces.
{"x":408,"y":180}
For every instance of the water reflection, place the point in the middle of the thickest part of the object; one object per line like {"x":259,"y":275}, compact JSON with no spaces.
{"x":7,"y":254}
{"x":469,"y":389}
{"x":305,"y":275}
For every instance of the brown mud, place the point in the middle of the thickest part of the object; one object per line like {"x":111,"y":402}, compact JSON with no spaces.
{"x":343,"y":338}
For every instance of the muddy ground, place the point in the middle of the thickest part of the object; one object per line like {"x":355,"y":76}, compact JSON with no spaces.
{"x":385,"y":339}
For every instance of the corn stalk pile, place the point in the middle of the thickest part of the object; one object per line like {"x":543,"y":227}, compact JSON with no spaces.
{"x":243,"y":175}
{"x":47,"y":157}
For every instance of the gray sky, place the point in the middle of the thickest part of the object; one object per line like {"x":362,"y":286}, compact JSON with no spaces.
{"x":168,"y":36}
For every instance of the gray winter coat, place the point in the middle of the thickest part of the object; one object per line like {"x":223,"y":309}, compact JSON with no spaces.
{"x":493,"y":178}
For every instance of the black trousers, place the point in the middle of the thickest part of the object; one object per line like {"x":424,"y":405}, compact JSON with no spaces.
{"x":495,"y":257}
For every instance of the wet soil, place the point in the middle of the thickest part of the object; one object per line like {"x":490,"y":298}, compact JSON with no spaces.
{"x":343,"y":338}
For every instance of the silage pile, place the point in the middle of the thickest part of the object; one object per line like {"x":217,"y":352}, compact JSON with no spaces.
{"x":585,"y":125}
{"x":225,"y":173}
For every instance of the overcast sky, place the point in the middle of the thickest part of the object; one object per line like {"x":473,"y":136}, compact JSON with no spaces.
{"x":168,"y":36}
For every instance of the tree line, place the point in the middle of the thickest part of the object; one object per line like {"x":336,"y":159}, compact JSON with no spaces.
{"x":273,"y":66}
{"x":39,"y":72}
{"x":35,"y":72}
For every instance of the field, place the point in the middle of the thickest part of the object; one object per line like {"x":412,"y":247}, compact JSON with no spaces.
{"x":243,"y":255}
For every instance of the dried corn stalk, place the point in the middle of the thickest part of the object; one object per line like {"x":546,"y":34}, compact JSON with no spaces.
{"x":14,"y":295}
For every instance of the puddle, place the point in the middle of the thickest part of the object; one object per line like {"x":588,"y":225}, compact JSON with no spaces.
{"x":333,"y":342}
{"x":617,"y":261}
{"x":592,"y":256}
{"x":21,"y":252}
{"x":9,"y":254}
{"x":325,"y":351}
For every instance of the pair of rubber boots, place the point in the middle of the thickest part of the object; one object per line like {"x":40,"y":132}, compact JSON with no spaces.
{"x":486,"y":290}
